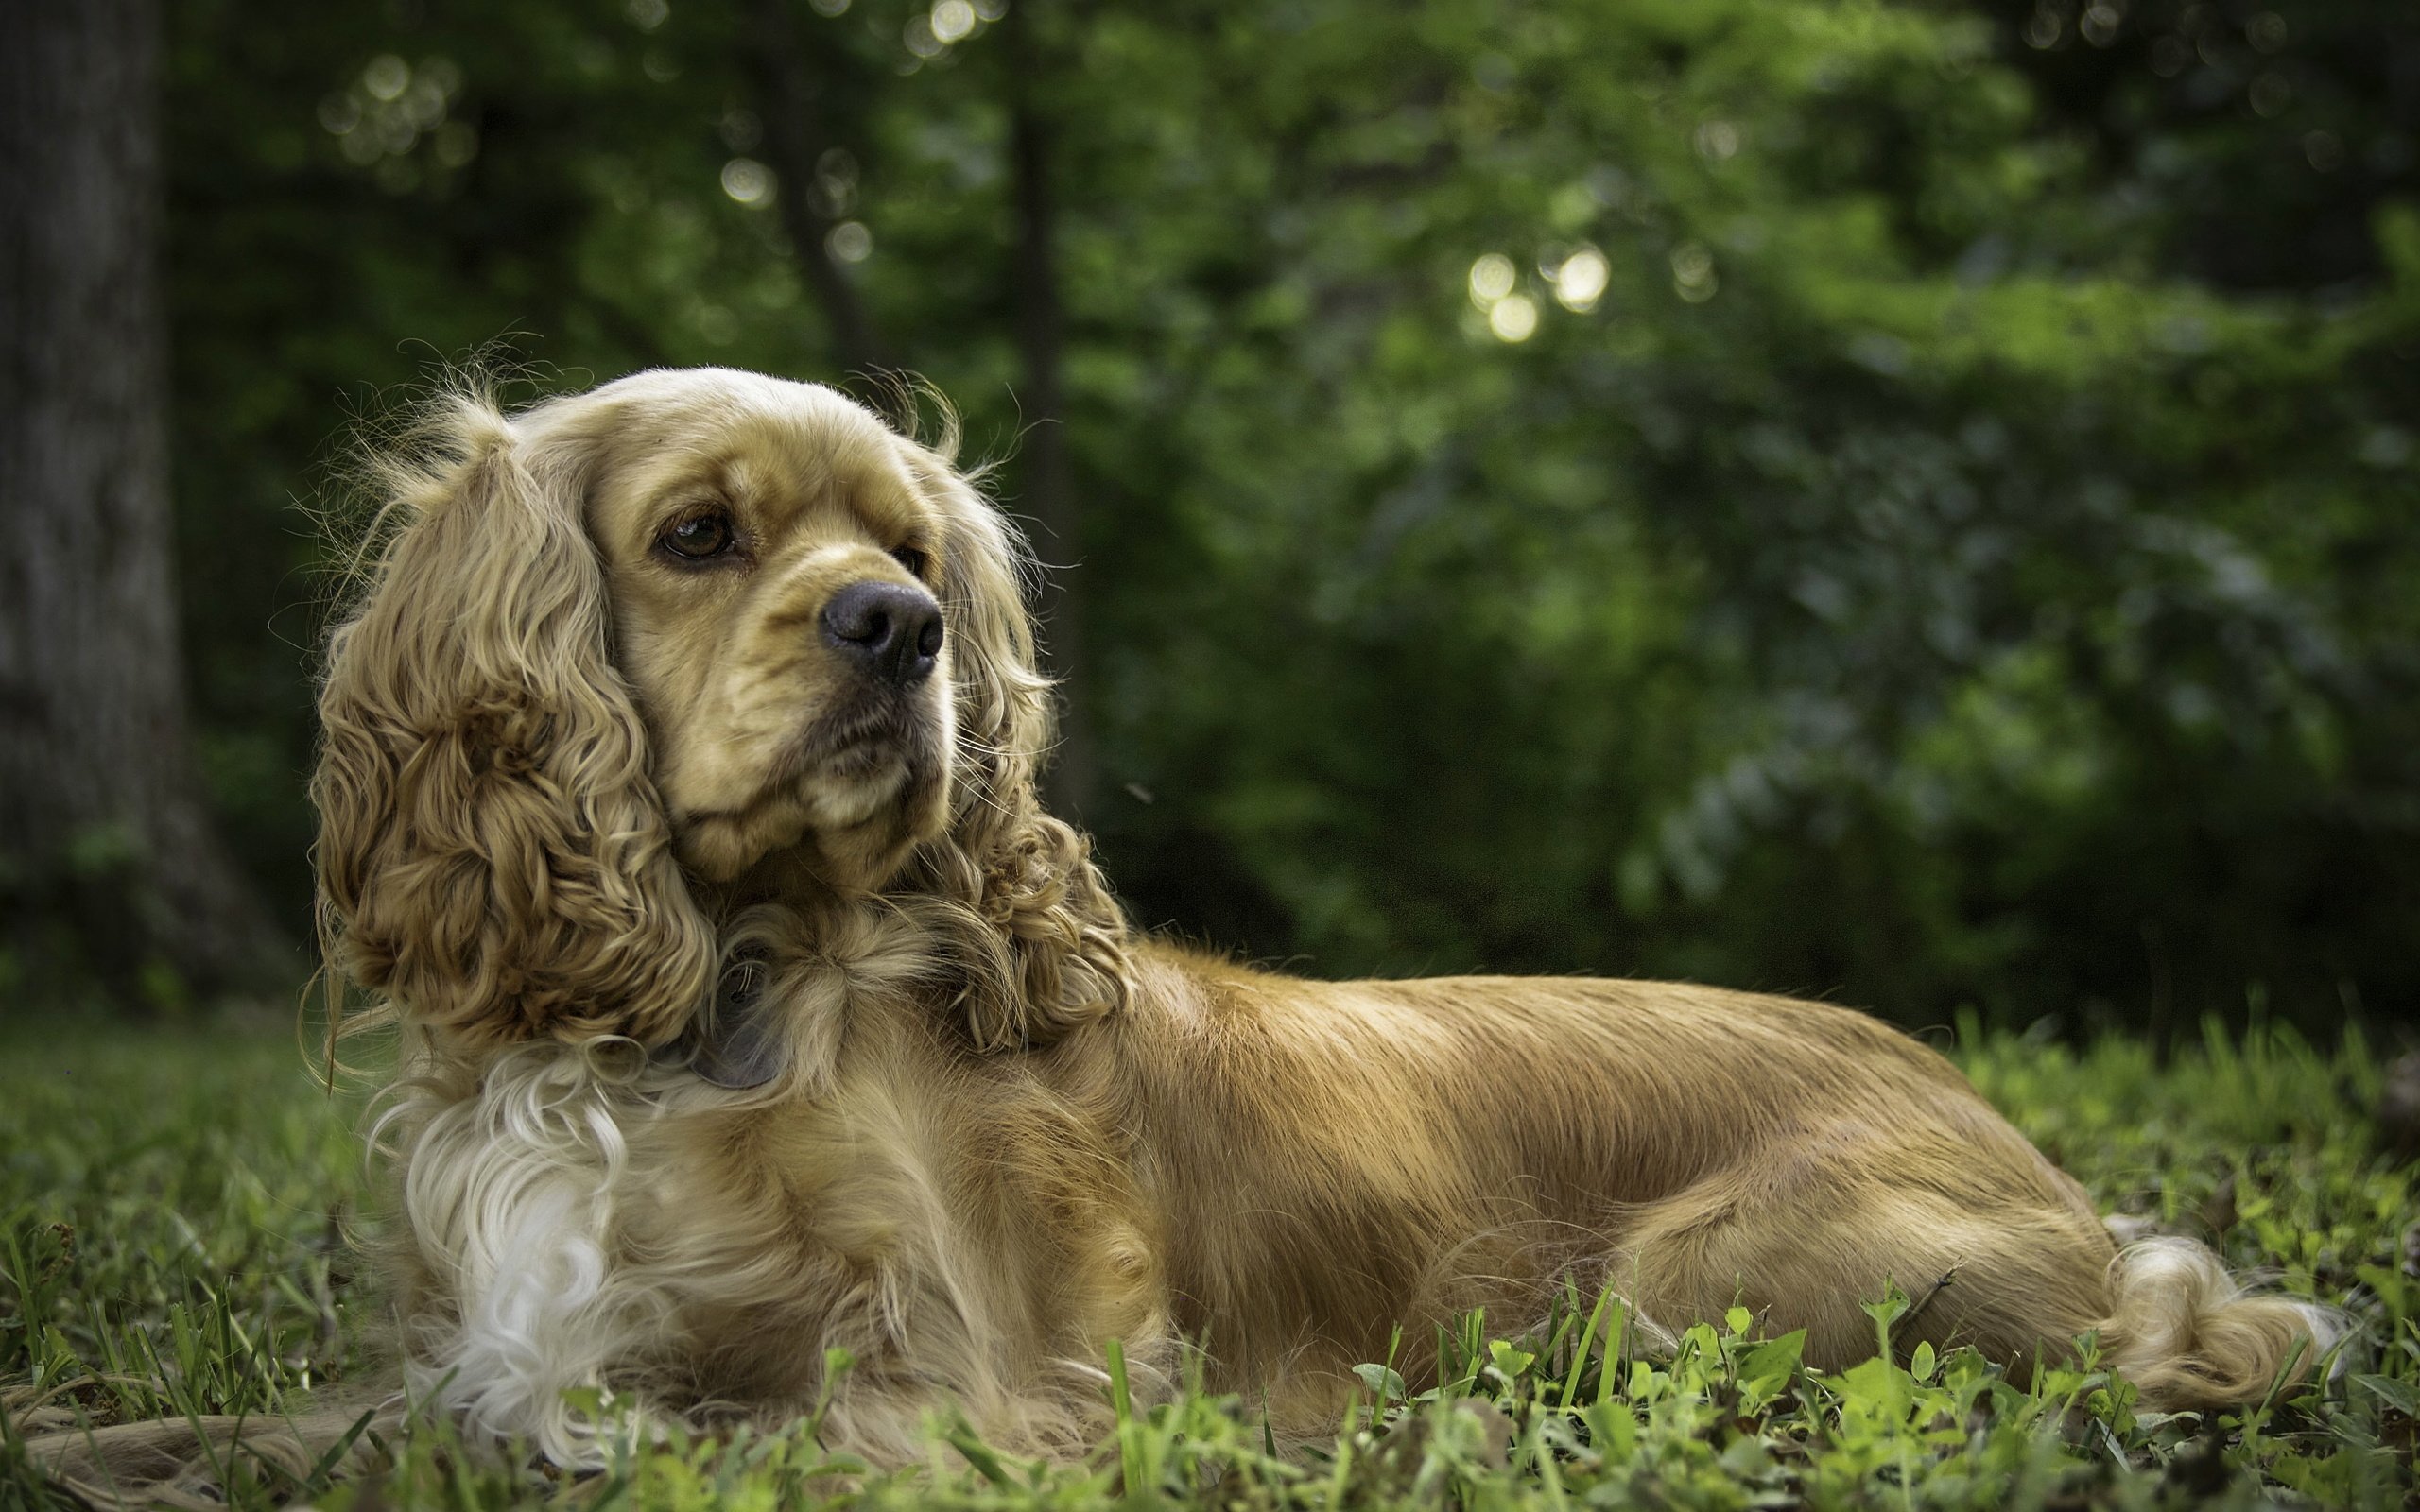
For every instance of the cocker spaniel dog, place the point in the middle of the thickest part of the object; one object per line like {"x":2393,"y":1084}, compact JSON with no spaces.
{"x":678,"y":797}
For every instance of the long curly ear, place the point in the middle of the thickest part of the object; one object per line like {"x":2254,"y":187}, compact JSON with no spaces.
{"x":492,"y":856}
{"x":1031,"y":924}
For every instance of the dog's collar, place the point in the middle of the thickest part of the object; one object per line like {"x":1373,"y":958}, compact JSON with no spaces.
{"x":737,"y":1041}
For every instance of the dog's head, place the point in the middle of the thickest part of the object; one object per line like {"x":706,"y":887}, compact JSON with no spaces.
{"x":690,"y":640}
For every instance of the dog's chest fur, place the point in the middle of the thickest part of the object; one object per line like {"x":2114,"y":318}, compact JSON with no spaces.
{"x":579,"y":1223}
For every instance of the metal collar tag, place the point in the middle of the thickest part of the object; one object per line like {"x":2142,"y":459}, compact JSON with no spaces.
{"x":740,"y":1044}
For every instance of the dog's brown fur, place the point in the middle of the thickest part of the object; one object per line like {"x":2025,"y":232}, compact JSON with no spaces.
{"x":569,"y":780}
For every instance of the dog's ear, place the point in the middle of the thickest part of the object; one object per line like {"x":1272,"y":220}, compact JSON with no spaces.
{"x":1037,"y":943}
{"x":493,"y":857}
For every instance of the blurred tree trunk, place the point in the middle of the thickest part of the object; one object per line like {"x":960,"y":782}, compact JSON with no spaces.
{"x":1049,"y":493}
{"x":802,"y":84}
{"x":108,"y":862}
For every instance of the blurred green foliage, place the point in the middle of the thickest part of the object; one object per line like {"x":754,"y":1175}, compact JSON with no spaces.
{"x":1908,"y":501}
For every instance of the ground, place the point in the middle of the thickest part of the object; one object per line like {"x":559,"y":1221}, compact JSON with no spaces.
{"x":182,"y":1212}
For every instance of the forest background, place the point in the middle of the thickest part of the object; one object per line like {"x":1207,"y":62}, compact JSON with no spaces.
{"x":1917,"y":503}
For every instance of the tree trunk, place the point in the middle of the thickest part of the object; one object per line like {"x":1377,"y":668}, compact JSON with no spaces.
{"x":796,"y":79}
{"x":109,"y":863}
{"x":1044,"y":469}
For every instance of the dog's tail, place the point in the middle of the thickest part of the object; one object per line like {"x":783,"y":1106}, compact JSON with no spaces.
{"x":188,"y":1462}
{"x":2193,"y":1338}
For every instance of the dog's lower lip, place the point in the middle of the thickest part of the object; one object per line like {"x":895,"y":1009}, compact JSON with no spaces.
{"x":858,"y":742}
{"x":850,"y":741}
{"x":856,"y":759}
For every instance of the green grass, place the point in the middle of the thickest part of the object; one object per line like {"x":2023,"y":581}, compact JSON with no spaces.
{"x":176,"y":1215}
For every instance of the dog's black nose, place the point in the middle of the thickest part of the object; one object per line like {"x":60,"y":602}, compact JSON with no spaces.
{"x":896,"y":629}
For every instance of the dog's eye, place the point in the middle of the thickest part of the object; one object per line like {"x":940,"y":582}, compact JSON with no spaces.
{"x":914,"y":561}
{"x":699,"y":537}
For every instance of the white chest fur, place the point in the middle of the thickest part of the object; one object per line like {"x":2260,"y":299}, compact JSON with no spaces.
{"x":514,"y":1198}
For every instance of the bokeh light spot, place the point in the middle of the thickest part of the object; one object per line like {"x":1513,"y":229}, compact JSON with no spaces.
{"x":1514,"y":318}
{"x":1491,"y":279}
{"x":2387,"y":446}
{"x":387,"y":77}
{"x":747,"y":180}
{"x":1693,"y":275}
{"x":953,"y":21}
{"x":849,"y":242}
{"x":455,"y":145}
{"x":1580,"y":282}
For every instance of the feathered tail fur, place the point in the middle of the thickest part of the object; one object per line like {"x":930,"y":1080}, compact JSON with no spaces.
{"x":2192,"y":1337}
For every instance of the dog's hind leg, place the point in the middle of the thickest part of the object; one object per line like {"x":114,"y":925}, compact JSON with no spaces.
{"x":2013,"y":1283}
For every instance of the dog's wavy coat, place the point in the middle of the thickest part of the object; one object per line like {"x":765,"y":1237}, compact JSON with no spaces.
{"x":678,"y":795}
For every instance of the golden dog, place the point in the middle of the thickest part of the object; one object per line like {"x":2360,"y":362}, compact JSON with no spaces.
{"x":677,"y":796}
